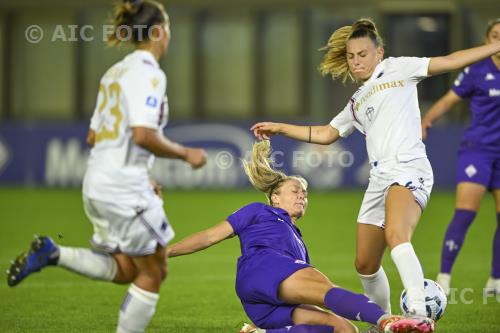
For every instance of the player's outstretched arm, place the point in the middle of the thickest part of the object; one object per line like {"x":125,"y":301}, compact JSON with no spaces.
{"x":439,"y":108}
{"x":160,"y":146}
{"x":201,"y":240}
{"x":462,"y":58}
{"x":324,"y":135}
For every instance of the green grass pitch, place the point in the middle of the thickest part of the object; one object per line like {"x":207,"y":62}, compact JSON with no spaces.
{"x":198,"y":295}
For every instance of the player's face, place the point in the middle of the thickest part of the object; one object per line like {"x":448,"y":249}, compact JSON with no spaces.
{"x":494,"y":36}
{"x":292,"y":197}
{"x":165,"y":39}
{"x":362,"y":57}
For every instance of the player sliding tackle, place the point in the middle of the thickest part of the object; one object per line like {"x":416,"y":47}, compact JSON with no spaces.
{"x":385,"y":109}
{"x":275,"y":282}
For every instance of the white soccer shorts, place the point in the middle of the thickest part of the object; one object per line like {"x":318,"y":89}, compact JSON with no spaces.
{"x":135,"y":230}
{"x":416,"y":175}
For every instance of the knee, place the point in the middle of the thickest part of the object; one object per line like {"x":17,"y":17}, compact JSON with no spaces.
{"x":155,"y":274}
{"x":366,"y":267}
{"x":127,"y":277}
{"x":393,"y":238}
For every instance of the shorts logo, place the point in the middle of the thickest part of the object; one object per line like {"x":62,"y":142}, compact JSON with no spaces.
{"x":152,"y":101}
{"x":470,"y":171}
{"x":421,"y":181}
{"x":409,"y":185}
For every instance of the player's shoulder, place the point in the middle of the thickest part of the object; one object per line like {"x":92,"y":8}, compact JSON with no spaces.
{"x":254,"y":206}
{"x":139,"y":65}
{"x":403,"y":61}
{"x":479,"y":67}
{"x":251,"y":208}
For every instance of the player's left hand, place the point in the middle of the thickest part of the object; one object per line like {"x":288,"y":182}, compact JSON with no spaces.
{"x":264,"y":131}
{"x":156,"y":188}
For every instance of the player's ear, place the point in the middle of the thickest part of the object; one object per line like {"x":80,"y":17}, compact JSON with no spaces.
{"x":380,"y":53}
{"x":274,"y":200}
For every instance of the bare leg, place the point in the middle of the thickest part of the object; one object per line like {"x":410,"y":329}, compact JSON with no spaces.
{"x":139,"y":305}
{"x":401,"y":217}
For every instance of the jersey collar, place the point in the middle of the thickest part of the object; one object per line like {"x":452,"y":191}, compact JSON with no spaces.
{"x":147,"y":57}
{"x":377,"y":72}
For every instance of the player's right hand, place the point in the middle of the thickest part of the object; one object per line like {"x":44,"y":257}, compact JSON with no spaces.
{"x":263,"y":131}
{"x":196,"y":157}
{"x":425,"y":126}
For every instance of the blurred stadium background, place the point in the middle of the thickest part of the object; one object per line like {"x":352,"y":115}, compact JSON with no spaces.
{"x":230,"y":63}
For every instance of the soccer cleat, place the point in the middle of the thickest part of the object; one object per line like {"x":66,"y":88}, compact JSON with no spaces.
{"x":42,"y":252}
{"x":414,"y":324}
{"x":249,"y":328}
{"x":373,"y":329}
{"x":492,"y":287}
{"x":444,"y":279}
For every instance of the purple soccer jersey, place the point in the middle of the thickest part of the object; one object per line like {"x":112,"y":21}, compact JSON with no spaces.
{"x":260,"y":226}
{"x":271,"y":250}
{"x":480,"y":83}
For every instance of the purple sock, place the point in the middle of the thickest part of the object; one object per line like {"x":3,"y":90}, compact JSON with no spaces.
{"x":353,"y":306}
{"x":495,"y":272}
{"x":454,"y":238}
{"x":303,"y":329}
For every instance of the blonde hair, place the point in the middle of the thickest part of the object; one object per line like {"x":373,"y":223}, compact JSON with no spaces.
{"x":335,"y":60}
{"x":133,"y":20}
{"x":261,"y":173}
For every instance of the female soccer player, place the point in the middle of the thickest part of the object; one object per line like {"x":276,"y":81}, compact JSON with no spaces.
{"x":385,"y":109}
{"x":478,"y":166}
{"x":274,"y":281}
{"x":131,"y":230}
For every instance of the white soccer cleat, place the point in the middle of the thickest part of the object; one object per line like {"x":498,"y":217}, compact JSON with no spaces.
{"x":492,"y":287}
{"x":444,"y":279}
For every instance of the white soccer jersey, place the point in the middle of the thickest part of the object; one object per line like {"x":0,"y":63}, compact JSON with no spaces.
{"x":131,"y":94}
{"x":385,"y":109}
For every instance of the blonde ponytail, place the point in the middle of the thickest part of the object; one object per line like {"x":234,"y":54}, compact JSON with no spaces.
{"x":261,"y":173}
{"x":335,"y":61}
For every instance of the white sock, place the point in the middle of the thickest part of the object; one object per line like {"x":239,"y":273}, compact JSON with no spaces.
{"x":376,"y":287}
{"x":99,"y":266}
{"x":412,"y":276}
{"x":137,"y":310}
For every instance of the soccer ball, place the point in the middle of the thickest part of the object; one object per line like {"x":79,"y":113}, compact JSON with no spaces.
{"x":435,"y":300}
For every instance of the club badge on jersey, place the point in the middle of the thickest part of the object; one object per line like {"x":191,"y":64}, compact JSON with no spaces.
{"x":152,"y":101}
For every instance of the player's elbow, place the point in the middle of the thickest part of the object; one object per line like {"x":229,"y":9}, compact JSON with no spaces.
{"x":328,"y":135}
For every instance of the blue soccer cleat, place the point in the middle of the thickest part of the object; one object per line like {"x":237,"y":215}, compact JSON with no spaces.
{"x":42,"y":252}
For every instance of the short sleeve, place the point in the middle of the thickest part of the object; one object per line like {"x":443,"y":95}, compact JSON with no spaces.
{"x":414,"y":68}
{"x":343,"y":122}
{"x":94,"y":121}
{"x":464,"y":84}
{"x":244,"y":216}
{"x":144,"y":91}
